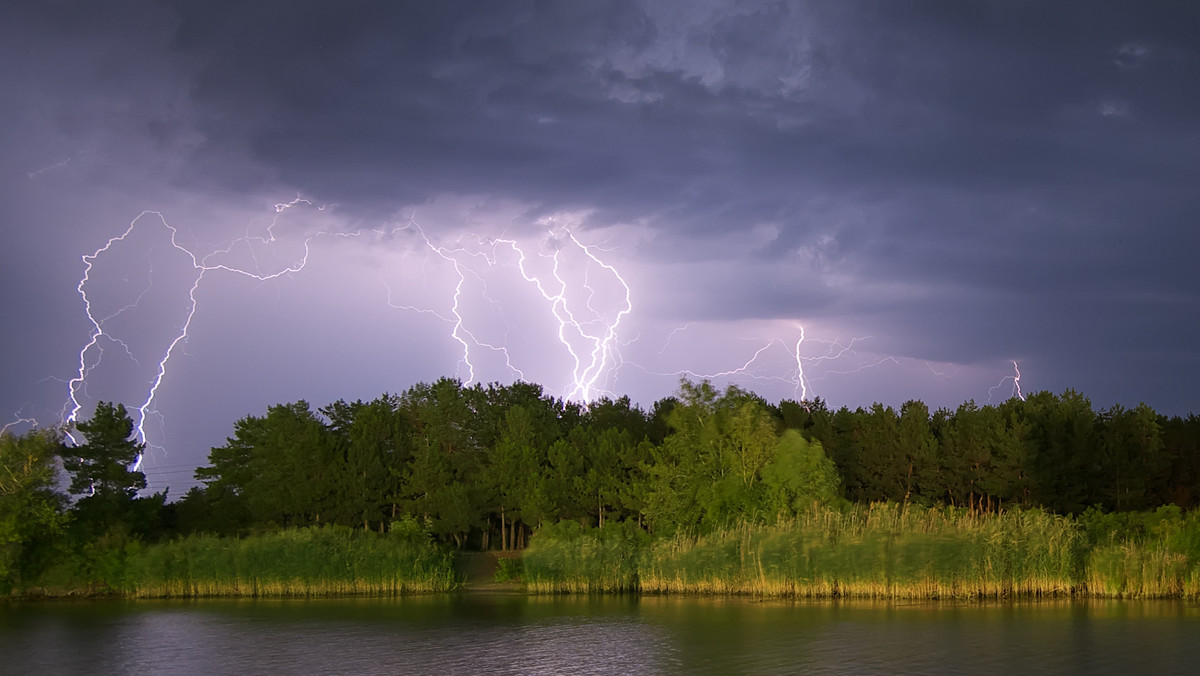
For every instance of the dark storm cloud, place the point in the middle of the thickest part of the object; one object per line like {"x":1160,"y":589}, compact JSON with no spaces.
{"x":577,"y":107}
{"x":969,"y":181}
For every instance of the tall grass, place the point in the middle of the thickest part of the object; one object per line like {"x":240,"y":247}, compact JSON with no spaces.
{"x":881,"y":551}
{"x":1143,"y":555}
{"x":299,"y":562}
{"x":566,"y":558}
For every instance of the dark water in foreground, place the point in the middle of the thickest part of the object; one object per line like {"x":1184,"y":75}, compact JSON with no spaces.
{"x":512,"y":634}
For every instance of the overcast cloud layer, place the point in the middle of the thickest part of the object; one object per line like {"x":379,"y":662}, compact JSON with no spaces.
{"x":957,"y":186}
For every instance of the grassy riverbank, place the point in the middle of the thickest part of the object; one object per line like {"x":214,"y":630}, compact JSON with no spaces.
{"x":297,"y":562}
{"x":304,"y":562}
{"x":884,"y":551}
{"x":566,"y":558}
{"x":878,"y":551}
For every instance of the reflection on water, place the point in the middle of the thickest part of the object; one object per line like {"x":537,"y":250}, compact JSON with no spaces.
{"x":512,"y":634}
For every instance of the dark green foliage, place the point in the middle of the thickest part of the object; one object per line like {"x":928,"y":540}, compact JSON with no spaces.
{"x":509,"y":570}
{"x":708,"y":470}
{"x":102,"y":472}
{"x":1179,"y":481}
{"x":100,"y":468}
{"x":566,"y":557}
{"x":294,"y":562}
{"x":32,"y":512}
{"x":487,"y":467}
{"x":799,"y":476}
{"x":1131,"y":457}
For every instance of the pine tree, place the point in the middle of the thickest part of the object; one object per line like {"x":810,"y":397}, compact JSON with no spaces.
{"x":101,"y":468}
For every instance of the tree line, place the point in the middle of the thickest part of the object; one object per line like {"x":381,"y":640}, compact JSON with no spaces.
{"x":483,"y":466}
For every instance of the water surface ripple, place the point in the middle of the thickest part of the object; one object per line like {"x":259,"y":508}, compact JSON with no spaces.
{"x":513,"y":634}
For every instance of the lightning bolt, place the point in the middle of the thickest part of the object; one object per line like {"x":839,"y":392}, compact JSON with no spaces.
{"x":582,"y":298}
{"x":38,"y":172}
{"x":589,"y":364}
{"x":32,"y":422}
{"x":459,"y":332}
{"x":1016,"y":384}
{"x":92,"y":352}
{"x":749,"y":368}
{"x":587,"y":332}
{"x":672,"y":334}
{"x":939,"y":374}
{"x":837,"y":350}
{"x":796,"y":376}
{"x":72,"y":407}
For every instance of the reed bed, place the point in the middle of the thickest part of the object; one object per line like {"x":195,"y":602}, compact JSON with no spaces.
{"x":874,"y":551}
{"x":1144,"y":555}
{"x":1131,"y":571}
{"x":883,"y":550}
{"x":301,"y":562}
{"x":567,"y":558}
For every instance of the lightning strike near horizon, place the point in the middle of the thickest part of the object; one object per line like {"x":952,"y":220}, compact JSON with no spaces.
{"x":749,"y":368}
{"x":587,"y":370}
{"x":746,"y":370}
{"x":92,"y":353}
{"x":587,"y":333}
{"x":1016,"y":384}
{"x":458,"y":322}
{"x":494,"y":294}
{"x":759,"y":367}
{"x":32,"y":422}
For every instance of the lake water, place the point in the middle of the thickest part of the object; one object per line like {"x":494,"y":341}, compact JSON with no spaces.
{"x":514,"y":634}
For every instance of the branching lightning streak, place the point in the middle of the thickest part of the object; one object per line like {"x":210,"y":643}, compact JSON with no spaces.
{"x":940,"y":374}
{"x":676,"y":330}
{"x":32,"y":422}
{"x":457,"y":322}
{"x":1016,"y":381}
{"x":598,"y":332}
{"x":585,"y":375}
{"x":797,"y":377}
{"x":201,"y":266}
{"x":97,"y":331}
{"x":798,"y":381}
{"x":566,"y":273}
{"x":588,"y":334}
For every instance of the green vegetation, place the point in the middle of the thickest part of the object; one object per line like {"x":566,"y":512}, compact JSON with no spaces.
{"x":566,"y":558}
{"x":509,"y":570}
{"x":882,"y":550}
{"x":298,"y":562}
{"x":708,"y":492}
{"x":1143,"y":555}
{"x":32,"y":513}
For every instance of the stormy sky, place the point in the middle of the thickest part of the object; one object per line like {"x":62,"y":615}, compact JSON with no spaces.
{"x":862,"y":201}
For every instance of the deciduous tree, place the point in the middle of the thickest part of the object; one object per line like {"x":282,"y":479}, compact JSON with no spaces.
{"x":31,"y":509}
